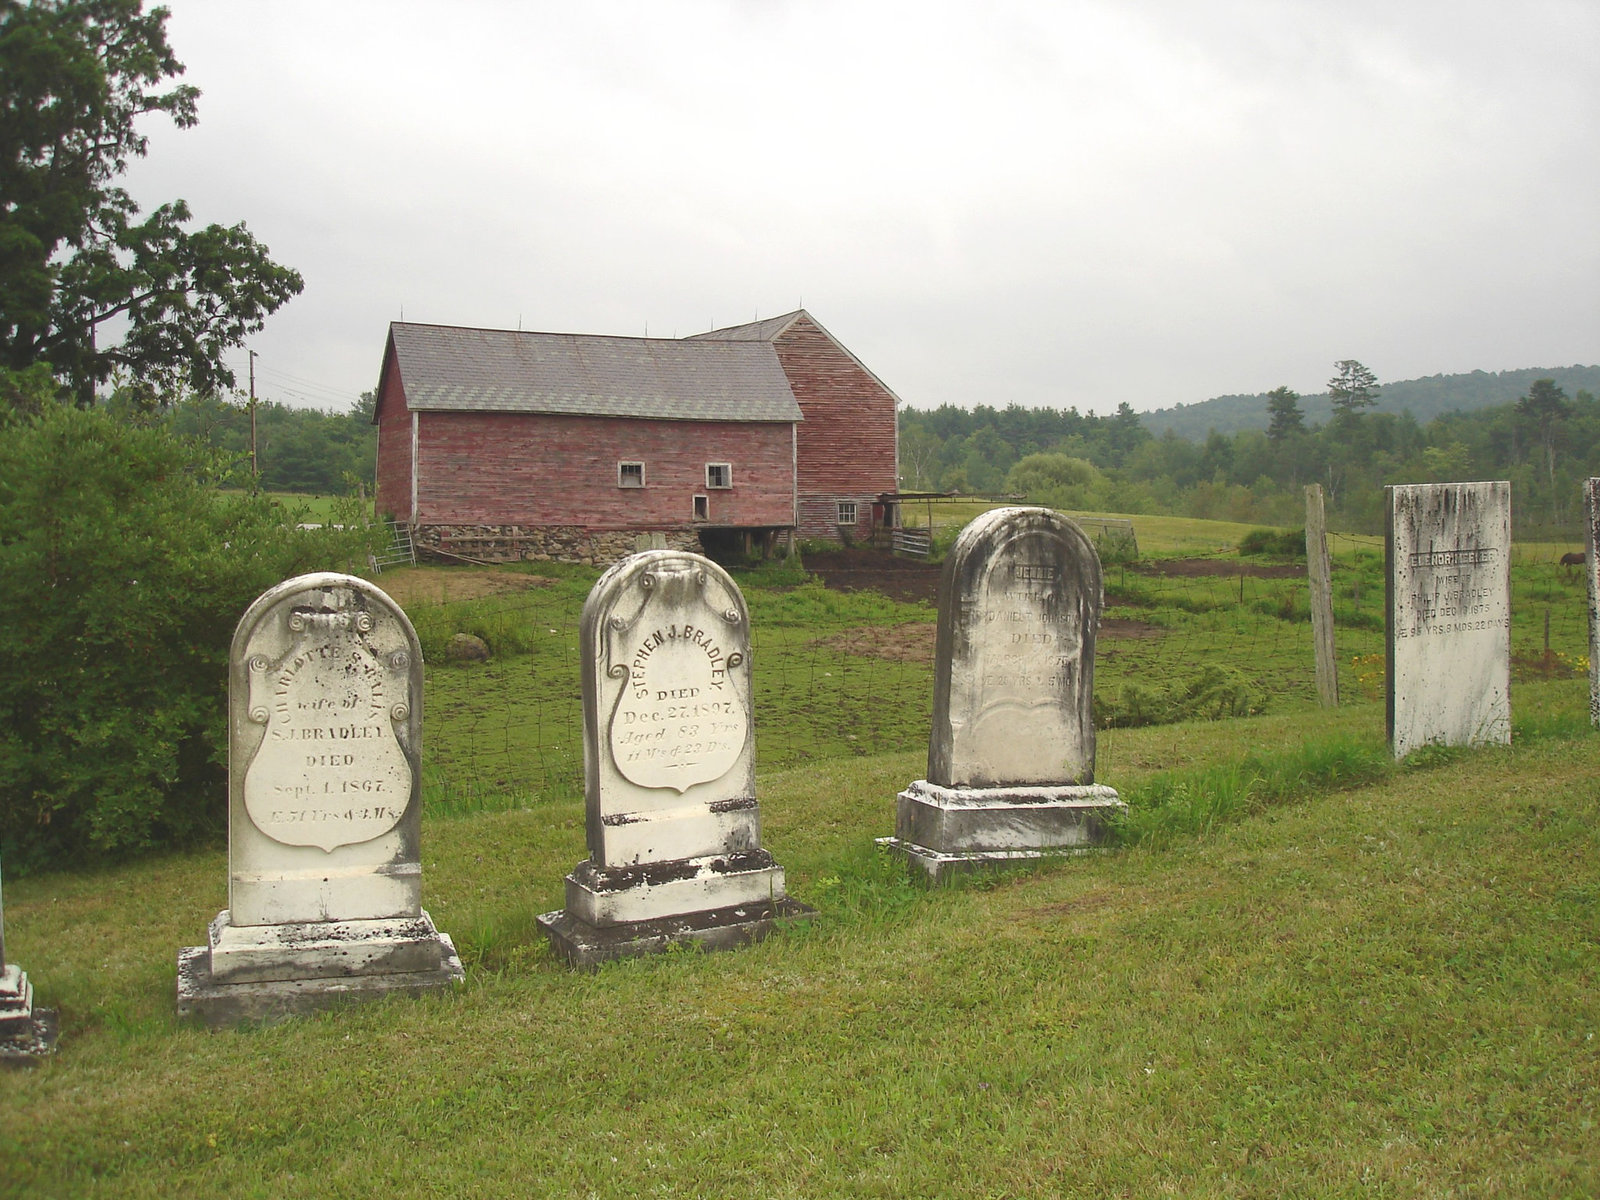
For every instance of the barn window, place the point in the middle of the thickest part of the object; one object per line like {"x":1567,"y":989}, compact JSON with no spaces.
{"x":630,"y":474}
{"x":719,"y":475}
{"x":702,"y":508}
{"x":847,"y":512}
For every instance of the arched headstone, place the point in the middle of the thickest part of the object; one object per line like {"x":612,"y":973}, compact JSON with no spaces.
{"x":324,"y":811}
{"x":674,"y":831}
{"x":1011,"y":753}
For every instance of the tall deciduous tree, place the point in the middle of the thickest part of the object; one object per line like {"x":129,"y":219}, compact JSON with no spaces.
{"x":1543,"y":409}
{"x":1284,"y":415}
{"x":1352,"y":388}
{"x":77,"y":259}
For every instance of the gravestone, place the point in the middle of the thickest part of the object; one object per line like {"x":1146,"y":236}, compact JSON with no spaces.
{"x":26,"y":1031}
{"x":674,"y":832}
{"x":1011,"y":754}
{"x":324,"y":868}
{"x":1591,"y":570}
{"x":1449,"y":615}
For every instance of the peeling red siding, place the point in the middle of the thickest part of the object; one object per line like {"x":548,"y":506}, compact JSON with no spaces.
{"x":394,"y":445}
{"x":847,"y":441}
{"x":541,"y":469}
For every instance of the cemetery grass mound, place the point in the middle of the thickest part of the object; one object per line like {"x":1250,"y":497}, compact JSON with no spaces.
{"x":1381,"y":989}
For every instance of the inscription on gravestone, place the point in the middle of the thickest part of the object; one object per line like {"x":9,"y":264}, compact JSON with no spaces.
{"x":331,"y":771}
{"x":1449,"y":614}
{"x":325,"y":874}
{"x":1011,"y":752}
{"x":674,"y":831}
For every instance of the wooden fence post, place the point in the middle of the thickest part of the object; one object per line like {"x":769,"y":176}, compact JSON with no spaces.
{"x":1591,"y":569}
{"x":1320,"y":570}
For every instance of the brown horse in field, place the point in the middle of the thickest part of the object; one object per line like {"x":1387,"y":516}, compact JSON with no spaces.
{"x":1572,"y":559}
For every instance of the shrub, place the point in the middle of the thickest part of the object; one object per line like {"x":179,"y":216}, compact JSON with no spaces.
{"x":1283,"y":543}
{"x":123,"y":571}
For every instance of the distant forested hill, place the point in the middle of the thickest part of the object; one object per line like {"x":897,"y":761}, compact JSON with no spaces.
{"x":1424,"y":399}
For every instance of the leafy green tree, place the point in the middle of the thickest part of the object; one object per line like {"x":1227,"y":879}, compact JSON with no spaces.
{"x":1543,"y":410}
{"x":1284,"y":416}
{"x":1352,"y":389}
{"x":77,"y":259}
{"x":122,"y":573}
{"x":1058,"y":480}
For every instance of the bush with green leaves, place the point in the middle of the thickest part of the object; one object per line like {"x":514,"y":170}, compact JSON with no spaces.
{"x":123,"y":571}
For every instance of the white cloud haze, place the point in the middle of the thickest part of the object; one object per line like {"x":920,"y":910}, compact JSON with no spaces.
{"x":1076,"y":203}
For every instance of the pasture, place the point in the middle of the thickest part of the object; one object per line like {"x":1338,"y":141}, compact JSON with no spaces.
{"x":1303,"y":970}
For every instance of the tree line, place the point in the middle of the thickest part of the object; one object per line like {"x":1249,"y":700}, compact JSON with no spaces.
{"x":1546,"y":443}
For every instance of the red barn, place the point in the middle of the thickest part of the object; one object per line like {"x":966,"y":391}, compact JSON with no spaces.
{"x":497,"y":444}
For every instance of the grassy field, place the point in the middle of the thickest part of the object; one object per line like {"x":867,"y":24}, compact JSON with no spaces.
{"x":1386,"y":989}
{"x":1304,"y":969}
{"x":843,"y":675}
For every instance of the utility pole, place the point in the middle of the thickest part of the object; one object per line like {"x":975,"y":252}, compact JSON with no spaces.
{"x":255,"y":472}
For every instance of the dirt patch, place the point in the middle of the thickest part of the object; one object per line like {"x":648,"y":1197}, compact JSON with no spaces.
{"x":897,"y":643}
{"x":435,"y":585}
{"x":1195,"y":568}
{"x":1088,"y":902}
{"x":862,"y":570}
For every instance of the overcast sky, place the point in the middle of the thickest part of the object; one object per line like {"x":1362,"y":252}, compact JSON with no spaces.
{"x":1076,"y":203}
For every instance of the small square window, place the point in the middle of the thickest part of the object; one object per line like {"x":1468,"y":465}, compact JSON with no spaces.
{"x":847,"y":512}
{"x":702,"y":508}
{"x":630,"y":474}
{"x":719,"y":475}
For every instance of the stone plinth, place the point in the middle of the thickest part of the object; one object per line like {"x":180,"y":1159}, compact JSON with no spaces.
{"x":325,"y":873}
{"x":1011,"y":753}
{"x":674,"y":830}
{"x":27,"y":1032}
{"x":1449,"y":615}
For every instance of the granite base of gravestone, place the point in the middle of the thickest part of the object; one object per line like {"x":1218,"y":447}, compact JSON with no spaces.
{"x":325,"y":873}
{"x":674,"y":831}
{"x":1011,"y":755}
{"x":27,"y":1032}
{"x":1449,"y":615}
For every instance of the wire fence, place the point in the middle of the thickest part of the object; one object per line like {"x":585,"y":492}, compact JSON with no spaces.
{"x":837,"y":675}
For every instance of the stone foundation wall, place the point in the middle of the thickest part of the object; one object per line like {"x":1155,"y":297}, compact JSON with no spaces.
{"x":544,"y":543}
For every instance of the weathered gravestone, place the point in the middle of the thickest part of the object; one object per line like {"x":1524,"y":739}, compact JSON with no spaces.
{"x":1591,"y":569}
{"x":1449,"y":615}
{"x":325,"y":876}
{"x":669,"y":761}
{"x":26,"y":1031}
{"x":1011,"y":756}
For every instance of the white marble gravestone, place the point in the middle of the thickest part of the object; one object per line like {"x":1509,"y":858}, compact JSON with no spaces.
{"x":1449,"y":615}
{"x":1591,"y":570}
{"x":674,"y":832}
{"x":324,"y":871}
{"x":1011,"y":755}
{"x":26,"y":1030}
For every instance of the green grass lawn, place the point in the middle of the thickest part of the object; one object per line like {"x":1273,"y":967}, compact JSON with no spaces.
{"x":1383,"y":990}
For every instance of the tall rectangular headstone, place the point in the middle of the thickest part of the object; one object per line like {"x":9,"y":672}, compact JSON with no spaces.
{"x":324,"y":812}
{"x":674,"y":830}
{"x":1591,"y":571}
{"x":26,"y":1030}
{"x":1449,"y":615}
{"x":1011,"y":753}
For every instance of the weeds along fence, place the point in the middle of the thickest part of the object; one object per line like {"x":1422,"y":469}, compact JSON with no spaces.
{"x":840,"y":674}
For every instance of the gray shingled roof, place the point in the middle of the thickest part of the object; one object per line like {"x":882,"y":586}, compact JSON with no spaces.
{"x":755,"y":331}
{"x":447,"y":368}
